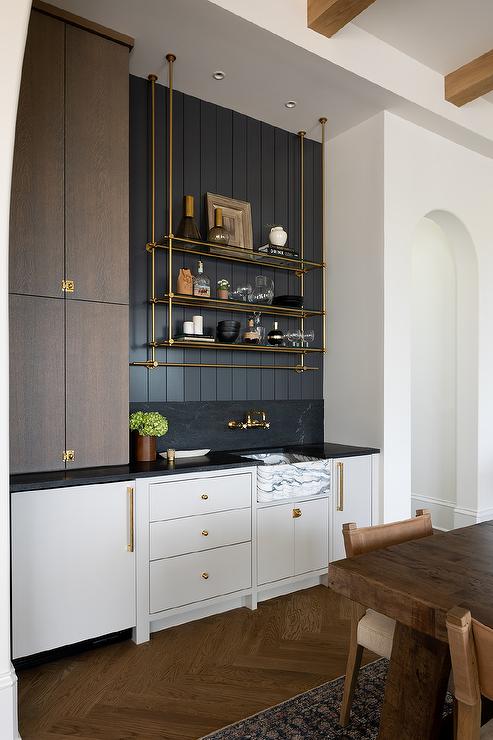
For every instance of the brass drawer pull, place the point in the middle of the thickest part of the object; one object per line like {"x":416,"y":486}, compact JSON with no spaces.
{"x":205,"y":576}
{"x":204,"y":496}
{"x":340,"y":496}
{"x":205,"y":533}
{"x":296,"y":513}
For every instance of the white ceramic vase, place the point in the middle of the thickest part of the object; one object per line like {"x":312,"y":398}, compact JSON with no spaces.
{"x":277,"y":236}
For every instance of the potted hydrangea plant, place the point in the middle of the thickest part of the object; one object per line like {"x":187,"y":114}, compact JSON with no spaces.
{"x":147,"y":425}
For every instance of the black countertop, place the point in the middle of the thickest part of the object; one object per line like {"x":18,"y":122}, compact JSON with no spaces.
{"x":212,"y":461}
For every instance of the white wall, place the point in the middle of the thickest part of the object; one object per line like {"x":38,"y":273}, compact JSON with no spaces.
{"x":372,"y":220}
{"x":13,"y":22}
{"x":428,"y":175}
{"x":433,"y":373}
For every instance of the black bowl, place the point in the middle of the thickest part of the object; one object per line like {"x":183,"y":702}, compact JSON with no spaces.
{"x":228,"y":336}
{"x":228,"y":322}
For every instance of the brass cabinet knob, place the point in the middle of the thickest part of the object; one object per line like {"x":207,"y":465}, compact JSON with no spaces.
{"x":205,"y":576}
{"x":205,"y":533}
{"x":204,"y":496}
{"x":296,"y":513}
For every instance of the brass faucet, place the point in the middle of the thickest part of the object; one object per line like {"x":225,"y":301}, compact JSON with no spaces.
{"x":254,"y":420}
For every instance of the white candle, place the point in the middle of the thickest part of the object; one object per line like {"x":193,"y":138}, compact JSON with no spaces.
{"x":188,"y":327}
{"x":198,"y":324}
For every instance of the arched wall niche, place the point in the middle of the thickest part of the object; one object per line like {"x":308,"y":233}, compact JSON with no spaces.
{"x":457,"y":407}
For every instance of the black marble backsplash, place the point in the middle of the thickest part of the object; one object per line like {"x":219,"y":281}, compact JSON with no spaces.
{"x":204,"y":424}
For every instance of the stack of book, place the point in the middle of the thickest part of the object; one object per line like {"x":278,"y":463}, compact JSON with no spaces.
{"x":279,"y":251}
{"x":194,"y":338}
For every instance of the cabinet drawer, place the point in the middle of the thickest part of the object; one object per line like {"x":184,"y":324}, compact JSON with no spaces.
{"x":190,"y":534}
{"x":200,"y":496}
{"x":198,"y":576}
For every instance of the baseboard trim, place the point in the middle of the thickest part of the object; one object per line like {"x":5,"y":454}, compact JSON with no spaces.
{"x":442,"y":512}
{"x":9,"y":729}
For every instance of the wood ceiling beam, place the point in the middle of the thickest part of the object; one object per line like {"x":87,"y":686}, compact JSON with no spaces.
{"x":329,"y":16}
{"x":470,"y":81}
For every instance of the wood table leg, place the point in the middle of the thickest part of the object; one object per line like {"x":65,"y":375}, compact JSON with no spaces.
{"x":415,"y":688}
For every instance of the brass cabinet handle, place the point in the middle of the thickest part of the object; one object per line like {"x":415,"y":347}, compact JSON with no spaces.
{"x":205,"y":533}
{"x":204,"y":496}
{"x":340,"y":492}
{"x":130,"y":493}
{"x":205,"y":575}
{"x":296,"y":513}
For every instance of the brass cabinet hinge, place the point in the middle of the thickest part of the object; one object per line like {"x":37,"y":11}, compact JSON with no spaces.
{"x":68,"y":455}
{"x":68,"y":286}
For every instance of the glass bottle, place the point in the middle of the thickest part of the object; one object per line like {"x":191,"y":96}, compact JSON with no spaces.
{"x":275,"y":336}
{"x":218,"y":234}
{"x":263,"y":291}
{"x":251,"y":335}
{"x":201,"y":283}
{"x":257,"y":321}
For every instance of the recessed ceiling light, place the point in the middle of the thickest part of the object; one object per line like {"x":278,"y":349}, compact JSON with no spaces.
{"x":219,"y":75}
{"x":290,"y":104}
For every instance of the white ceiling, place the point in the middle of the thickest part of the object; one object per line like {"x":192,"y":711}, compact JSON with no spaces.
{"x":263,"y":71}
{"x":442,"y":34}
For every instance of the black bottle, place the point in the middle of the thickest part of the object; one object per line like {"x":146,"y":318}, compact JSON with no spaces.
{"x":275,"y":336}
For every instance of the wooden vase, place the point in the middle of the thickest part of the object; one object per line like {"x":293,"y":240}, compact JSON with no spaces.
{"x":145,"y":448}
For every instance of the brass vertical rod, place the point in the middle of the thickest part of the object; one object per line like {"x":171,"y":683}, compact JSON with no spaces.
{"x":171,"y":58}
{"x":302,"y":135}
{"x":323,"y":122}
{"x":152,"y":79}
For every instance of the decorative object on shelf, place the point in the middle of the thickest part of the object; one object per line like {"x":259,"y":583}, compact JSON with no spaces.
{"x":147,"y":425}
{"x":279,"y":251}
{"x":218,"y":234}
{"x":184,"y":284}
{"x":288,"y":301}
{"x":251,"y":335}
{"x":293,"y":337}
{"x":170,"y":454}
{"x":187,"y":228}
{"x":308,"y":336}
{"x":193,"y":338}
{"x":198,"y":324}
{"x":201,"y":283}
{"x":237,"y":219}
{"x":228,"y":331}
{"x":242,"y":293}
{"x":278,"y":236}
{"x":223,"y":288}
{"x":257,"y":320}
{"x":188,"y":327}
{"x":263,"y":291}
{"x":275,"y":336}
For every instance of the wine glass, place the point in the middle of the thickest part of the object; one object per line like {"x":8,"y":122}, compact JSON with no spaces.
{"x":308,"y":336}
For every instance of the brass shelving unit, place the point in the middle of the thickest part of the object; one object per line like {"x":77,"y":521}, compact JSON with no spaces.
{"x":172,"y":244}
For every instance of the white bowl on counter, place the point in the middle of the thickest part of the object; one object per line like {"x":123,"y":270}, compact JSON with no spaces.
{"x":186,"y":453}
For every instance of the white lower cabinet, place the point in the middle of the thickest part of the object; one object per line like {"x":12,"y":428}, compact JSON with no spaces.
{"x":352,"y":498}
{"x":292,"y":539}
{"x":73,"y":568}
{"x":198,"y":576}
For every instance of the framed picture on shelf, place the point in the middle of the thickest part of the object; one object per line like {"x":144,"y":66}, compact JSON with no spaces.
{"x":237,"y":219}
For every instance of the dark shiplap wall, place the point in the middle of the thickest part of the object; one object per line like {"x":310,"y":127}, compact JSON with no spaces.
{"x":221,"y":151}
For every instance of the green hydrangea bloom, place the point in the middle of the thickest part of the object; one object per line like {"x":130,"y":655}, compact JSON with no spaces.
{"x":148,"y":423}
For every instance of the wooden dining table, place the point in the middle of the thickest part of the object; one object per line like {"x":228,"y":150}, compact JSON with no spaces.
{"x":416,"y":583}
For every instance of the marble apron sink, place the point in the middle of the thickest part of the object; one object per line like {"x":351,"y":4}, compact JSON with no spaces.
{"x":285,"y":475}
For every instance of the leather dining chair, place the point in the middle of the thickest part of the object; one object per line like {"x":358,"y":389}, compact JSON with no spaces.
{"x":370,"y":629}
{"x":471,"y":650}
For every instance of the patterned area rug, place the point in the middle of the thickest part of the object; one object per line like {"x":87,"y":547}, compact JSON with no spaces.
{"x":314,"y":715}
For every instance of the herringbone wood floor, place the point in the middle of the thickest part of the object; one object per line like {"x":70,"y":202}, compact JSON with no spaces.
{"x":192,"y":679}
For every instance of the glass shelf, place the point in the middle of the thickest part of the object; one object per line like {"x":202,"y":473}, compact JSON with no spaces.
{"x":233,"y":347}
{"x":235,"y":254}
{"x":240,"y":306}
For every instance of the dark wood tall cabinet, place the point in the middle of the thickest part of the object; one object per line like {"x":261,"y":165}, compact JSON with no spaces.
{"x":69,"y":248}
